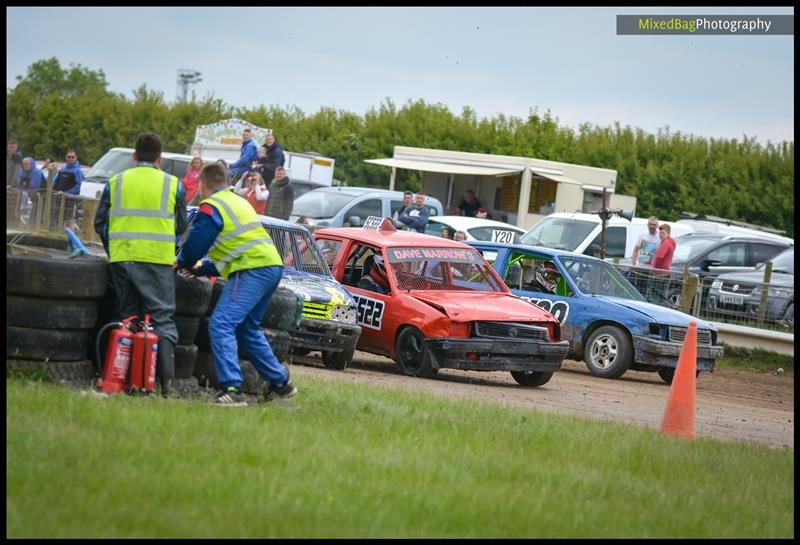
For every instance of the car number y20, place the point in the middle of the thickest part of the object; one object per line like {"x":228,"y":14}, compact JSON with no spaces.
{"x":502,"y":236}
{"x":370,"y":311}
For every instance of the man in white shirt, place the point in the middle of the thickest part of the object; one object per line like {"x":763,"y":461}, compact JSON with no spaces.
{"x":646,"y":244}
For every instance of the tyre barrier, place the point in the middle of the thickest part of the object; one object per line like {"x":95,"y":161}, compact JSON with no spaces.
{"x":192,"y":295}
{"x":52,"y":307}
{"x":188,"y":327}
{"x":252,"y":383}
{"x":185,"y":360}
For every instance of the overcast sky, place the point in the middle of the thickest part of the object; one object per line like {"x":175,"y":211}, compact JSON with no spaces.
{"x":495,"y":60}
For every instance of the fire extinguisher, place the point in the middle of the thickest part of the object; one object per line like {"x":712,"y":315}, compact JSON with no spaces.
{"x":143,"y":361}
{"x":117,"y":360}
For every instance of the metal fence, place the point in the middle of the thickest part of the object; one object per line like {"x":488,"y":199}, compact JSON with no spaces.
{"x":762,"y":304}
{"x":49,"y":211}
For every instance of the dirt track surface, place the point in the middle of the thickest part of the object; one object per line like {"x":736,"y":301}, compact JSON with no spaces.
{"x":731,"y":404}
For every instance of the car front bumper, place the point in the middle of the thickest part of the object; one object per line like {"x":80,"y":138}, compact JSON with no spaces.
{"x":480,"y":354}
{"x":326,"y":335}
{"x":652,"y":352}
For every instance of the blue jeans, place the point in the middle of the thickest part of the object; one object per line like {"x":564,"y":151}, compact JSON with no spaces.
{"x":237,"y":317}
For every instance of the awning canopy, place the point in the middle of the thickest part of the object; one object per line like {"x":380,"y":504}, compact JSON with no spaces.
{"x":555,"y":177}
{"x":446,"y":168}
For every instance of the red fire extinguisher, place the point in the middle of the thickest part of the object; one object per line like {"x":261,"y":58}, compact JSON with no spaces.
{"x":114,"y":376}
{"x":143,"y":361}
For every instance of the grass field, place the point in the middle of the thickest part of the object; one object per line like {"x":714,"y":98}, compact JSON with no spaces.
{"x":353,"y":461}
{"x":755,"y":358}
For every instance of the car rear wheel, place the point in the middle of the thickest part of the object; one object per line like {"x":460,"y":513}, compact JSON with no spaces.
{"x":532,"y":378}
{"x":668,"y":373}
{"x":608,"y":353}
{"x":412,"y":356}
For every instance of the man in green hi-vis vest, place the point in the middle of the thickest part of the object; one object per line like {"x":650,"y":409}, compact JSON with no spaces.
{"x":140,"y":212}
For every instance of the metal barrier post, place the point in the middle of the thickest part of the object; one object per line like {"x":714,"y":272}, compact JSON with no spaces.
{"x":690,"y":289}
{"x":762,"y":302}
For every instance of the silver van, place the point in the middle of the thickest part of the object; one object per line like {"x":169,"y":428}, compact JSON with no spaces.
{"x":350,"y":206}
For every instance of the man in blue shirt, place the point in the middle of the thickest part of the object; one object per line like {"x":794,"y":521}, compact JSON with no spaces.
{"x":415,"y":216}
{"x":248,"y":154}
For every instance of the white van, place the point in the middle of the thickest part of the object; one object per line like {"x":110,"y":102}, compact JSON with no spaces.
{"x":581,"y":232}
{"x":116,"y":160}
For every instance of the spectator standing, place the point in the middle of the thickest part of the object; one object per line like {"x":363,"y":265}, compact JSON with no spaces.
{"x":646,"y":245}
{"x":661,"y":264}
{"x":416,"y":215}
{"x":138,"y":230}
{"x":13,"y":164}
{"x":281,"y":191}
{"x":273,"y":157}
{"x":241,"y":251}
{"x":408,"y":200}
{"x":68,"y":182}
{"x":191,"y":180}
{"x":469,"y":204}
{"x":248,"y":154}
{"x":31,"y":181}
{"x":252,"y":188}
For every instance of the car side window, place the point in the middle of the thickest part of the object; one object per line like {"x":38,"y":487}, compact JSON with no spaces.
{"x":615,"y":242}
{"x":364,"y":209}
{"x":395,"y":206}
{"x":330,"y":249}
{"x":354,"y":266}
{"x":730,"y":255}
{"x":433,"y":228}
{"x":762,"y":253}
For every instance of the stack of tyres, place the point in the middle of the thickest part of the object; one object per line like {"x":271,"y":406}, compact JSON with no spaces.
{"x":52,"y":304}
{"x":192,"y":300}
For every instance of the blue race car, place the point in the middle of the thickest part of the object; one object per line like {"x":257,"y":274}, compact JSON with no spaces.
{"x":607,"y":322}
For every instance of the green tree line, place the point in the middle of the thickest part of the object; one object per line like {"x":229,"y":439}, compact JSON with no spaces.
{"x":52,"y":108}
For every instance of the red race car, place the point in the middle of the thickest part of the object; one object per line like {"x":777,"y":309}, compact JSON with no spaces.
{"x":428,"y":303}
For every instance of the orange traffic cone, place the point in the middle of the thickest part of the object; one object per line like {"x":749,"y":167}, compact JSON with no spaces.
{"x":679,"y":413}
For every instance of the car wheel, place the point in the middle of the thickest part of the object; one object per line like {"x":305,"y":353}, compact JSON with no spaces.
{"x":608,"y":353}
{"x":412,"y":356}
{"x":301,"y":351}
{"x":673,"y":299}
{"x":668,"y":373}
{"x":337,"y":360}
{"x":532,"y":378}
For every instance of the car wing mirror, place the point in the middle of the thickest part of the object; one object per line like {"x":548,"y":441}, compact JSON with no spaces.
{"x":710,"y":263}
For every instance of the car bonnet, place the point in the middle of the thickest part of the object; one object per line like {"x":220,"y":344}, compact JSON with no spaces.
{"x":316,"y":288}
{"x":654,"y":313}
{"x":470,"y":306}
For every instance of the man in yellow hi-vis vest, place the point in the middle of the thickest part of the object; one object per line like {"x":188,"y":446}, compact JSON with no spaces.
{"x":140,"y":212}
{"x":227,"y":229}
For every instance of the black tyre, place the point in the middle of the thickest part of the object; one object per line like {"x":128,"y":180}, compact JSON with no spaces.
{"x":201,"y":339}
{"x":41,"y":313}
{"x":185,"y":359}
{"x":192,"y":295}
{"x":532,"y":378}
{"x":46,"y":344}
{"x":284,"y":310}
{"x":608,"y":352}
{"x":280,"y":342}
{"x":57,"y":276}
{"x":668,"y":373}
{"x":216,"y":292}
{"x":51,"y":370}
{"x":412,"y":356}
{"x":188,"y":327}
{"x":252,"y":383}
{"x":337,"y":360}
{"x":204,"y":370}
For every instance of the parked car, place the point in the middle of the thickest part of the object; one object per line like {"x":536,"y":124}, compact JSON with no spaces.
{"x":581,"y":233}
{"x":444,"y":306}
{"x":708,"y":255}
{"x":116,"y":160}
{"x":328,"y":319}
{"x":606,"y":321}
{"x":739,"y":293}
{"x":475,"y":228}
{"x":341,"y":206}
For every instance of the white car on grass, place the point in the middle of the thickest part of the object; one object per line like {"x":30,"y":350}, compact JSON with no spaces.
{"x":475,"y":228}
